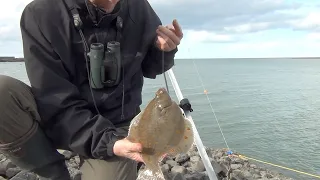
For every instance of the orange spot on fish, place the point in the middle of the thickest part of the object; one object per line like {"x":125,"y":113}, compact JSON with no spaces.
{"x":185,"y":137}
{"x":188,"y":128}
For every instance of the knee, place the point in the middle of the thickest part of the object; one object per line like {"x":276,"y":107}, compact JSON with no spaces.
{"x":15,"y":119}
{"x":7,"y":86}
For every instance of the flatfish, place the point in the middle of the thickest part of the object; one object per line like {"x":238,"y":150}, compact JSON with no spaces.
{"x":162,"y":129}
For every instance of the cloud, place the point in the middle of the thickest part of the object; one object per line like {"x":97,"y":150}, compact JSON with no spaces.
{"x":9,"y":21}
{"x":309,"y":22}
{"x":193,"y":36}
{"x":214,"y":28}
{"x":228,"y":15}
{"x":245,"y":28}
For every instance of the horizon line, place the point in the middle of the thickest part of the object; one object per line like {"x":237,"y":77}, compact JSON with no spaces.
{"x":312,"y":57}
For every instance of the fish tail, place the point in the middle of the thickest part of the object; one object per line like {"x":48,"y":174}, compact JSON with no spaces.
{"x":148,"y":174}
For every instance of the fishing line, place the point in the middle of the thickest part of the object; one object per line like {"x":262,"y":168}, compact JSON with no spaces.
{"x":205,"y":91}
{"x":164,"y":74}
{"x":242,"y":156}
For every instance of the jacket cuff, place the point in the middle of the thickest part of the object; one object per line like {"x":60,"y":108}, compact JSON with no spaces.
{"x":115,"y":136}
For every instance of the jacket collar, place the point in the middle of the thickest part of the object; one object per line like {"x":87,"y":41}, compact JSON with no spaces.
{"x":97,"y":15}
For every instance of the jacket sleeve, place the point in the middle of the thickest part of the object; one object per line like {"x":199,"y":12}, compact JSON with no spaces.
{"x":68,"y":120}
{"x":156,"y":61}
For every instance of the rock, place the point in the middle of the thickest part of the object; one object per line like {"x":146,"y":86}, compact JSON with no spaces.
{"x":165,"y":159}
{"x":23,"y":175}
{"x":263,"y":173}
{"x":195,"y":159}
{"x":182,"y":158}
{"x":165,"y":168}
{"x":192,"y":153}
{"x":77,"y":177}
{"x":256,"y":176}
{"x":218,"y":155}
{"x":77,"y":160}
{"x":167,"y":175}
{"x":2,"y":157}
{"x":74,"y":173}
{"x":217,"y":168}
{"x":12,"y":172}
{"x":186,"y":166}
{"x":253,"y":166}
{"x":258,"y":171}
{"x":195,"y":176}
{"x":198,"y":166}
{"x":236,"y":172}
{"x":246,"y":174}
{"x":178,"y":170}
{"x":237,"y":161}
{"x":68,"y":154}
{"x":189,"y":169}
{"x":235,"y":166}
{"x":235,"y":178}
{"x":178,"y":177}
{"x":225,"y":168}
{"x":4,"y":165}
{"x":171,"y":163}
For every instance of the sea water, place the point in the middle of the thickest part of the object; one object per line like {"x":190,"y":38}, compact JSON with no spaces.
{"x":268,"y":109}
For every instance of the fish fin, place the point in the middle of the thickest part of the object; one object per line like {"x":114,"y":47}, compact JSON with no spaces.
{"x":152,"y":168}
{"x":136,"y":119}
{"x":163,"y":155}
{"x":148,"y":174}
{"x":133,"y":130}
{"x":186,"y":141}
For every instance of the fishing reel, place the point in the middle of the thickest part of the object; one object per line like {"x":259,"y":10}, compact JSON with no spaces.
{"x":105,"y":65}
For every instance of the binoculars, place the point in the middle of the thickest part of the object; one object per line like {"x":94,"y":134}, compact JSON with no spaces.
{"x":105,"y":65}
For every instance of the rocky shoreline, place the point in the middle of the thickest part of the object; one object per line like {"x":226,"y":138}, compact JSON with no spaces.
{"x":181,"y":167}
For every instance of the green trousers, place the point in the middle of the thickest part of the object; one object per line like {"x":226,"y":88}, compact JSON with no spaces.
{"x":19,"y":121}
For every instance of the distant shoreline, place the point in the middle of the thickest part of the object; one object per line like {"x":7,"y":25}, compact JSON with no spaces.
{"x":14,"y":59}
{"x":11,"y":59}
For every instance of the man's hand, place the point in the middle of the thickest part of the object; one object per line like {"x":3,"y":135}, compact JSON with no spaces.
{"x":125,"y":148}
{"x":169,"y":37}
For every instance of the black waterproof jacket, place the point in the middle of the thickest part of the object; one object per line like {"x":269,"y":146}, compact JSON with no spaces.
{"x":55,"y":64}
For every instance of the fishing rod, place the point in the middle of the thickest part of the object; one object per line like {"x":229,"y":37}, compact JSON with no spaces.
{"x":201,"y":149}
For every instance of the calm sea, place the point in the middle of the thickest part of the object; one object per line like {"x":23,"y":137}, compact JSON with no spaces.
{"x":268,"y":109}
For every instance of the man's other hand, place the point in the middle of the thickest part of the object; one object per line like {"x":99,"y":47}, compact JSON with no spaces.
{"x":169,"y":37}
{"x":125,"y":148}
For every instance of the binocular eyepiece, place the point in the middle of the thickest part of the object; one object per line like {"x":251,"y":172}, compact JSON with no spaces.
{"x":105,"y":65}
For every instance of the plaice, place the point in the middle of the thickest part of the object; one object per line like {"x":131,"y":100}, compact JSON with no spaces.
{"x":162,"y":129}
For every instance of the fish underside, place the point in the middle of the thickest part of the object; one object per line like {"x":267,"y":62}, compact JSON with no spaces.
{"x":162,"y":129}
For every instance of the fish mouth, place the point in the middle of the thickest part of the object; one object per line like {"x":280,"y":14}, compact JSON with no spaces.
{"x":161,"y":91}
{"x":163,"y":99}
